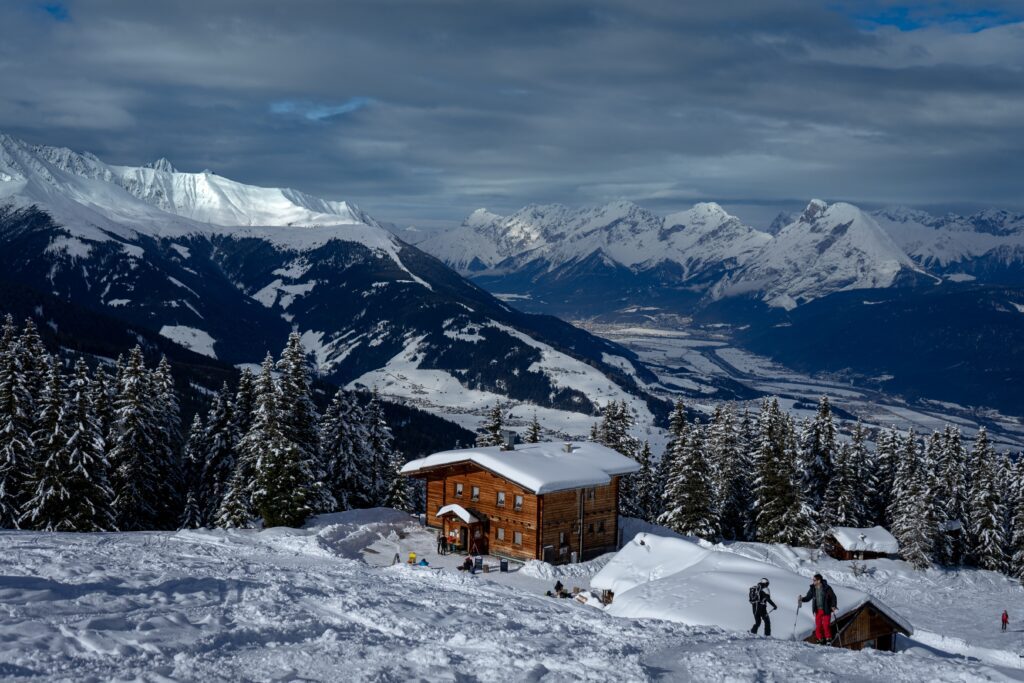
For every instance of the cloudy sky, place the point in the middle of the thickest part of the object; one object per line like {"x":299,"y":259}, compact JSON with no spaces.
{"x":421,"y":111}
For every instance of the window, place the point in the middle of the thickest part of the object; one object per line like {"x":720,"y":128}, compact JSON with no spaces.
{"x":474,"y":493}
{"x":501,"y":499}
{"x":517,"y":537}
{"x":458,"y":490}
{"x":600,"y":527}
{"x":590,"y":494}
{"x":501,"y":534}
{"x":590,"y":528}
{"x":563,"y":538}
{"x":519,"y":503}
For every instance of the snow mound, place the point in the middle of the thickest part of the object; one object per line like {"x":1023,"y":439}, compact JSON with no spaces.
{"x":678,"y":580}
{"x":538,"y":569}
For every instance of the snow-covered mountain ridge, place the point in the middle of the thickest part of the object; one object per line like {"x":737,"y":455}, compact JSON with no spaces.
{"x":228,"y":270}
{"x":544,"y":251}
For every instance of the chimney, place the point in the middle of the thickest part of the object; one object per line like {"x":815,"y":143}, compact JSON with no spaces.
{"x":508,"y":439}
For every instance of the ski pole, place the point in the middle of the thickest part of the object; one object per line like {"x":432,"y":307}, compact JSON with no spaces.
{"x":795,"y":617}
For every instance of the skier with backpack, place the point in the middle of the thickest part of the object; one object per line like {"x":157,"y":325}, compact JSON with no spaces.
{"x":760,"y":598}
{"x":823,"y":605}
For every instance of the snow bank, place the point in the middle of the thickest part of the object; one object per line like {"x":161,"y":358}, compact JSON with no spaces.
{"x":678,"y":580}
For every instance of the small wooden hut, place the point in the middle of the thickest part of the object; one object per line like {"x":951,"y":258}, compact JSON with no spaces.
{"x":545,"y":501}
{"x":868,"y":626}
{"x":851,"y":543}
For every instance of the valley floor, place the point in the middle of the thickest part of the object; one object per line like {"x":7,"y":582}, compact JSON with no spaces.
{"x":285,"y":604}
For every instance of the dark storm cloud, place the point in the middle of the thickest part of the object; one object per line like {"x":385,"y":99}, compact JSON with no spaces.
{"x":421,"y":111}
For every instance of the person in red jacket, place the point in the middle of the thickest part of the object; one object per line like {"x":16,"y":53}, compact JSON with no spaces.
{"x":823,"y":604}
{"x":1006,"y":619}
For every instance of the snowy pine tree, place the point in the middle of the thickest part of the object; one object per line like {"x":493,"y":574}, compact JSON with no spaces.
{"x":678,"y":432}
{"x":817,"y":448}
{"x":398,"y":491}
{"x":844,"y":498}
{"x":50,"y":439}
{"x":283,"y":487}
{"x":781,"y":514}
{"x":646,"y":488}
{"x":135,"y":448}
{"x":343,"y":439}
{"x":219,"y":443}
{"x":1016,"y":549}
{"x":690,"y":505}
{"x":72,"y":492}
{"x":379,"y":458}
{"x":730,"y":474}
{"x":299,"y":417}
{"x":194,"y":465}
{"x":912,"y":521}
{"x":987,"y":515}
{"x":166,"y":456}
{"x":533,"y":432}
{"x":16,"y":447}
{"x":489,"y":433}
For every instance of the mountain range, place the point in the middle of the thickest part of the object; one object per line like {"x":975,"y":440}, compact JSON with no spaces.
{"x":799,"y":291}
{"x":228,"y":270}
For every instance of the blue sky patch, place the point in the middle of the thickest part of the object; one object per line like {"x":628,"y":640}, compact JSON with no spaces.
{"x":318,"y":112}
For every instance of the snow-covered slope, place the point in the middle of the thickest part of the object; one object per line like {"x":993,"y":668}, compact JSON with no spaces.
{"x":284,"y":604}
{"x":828,"y":248}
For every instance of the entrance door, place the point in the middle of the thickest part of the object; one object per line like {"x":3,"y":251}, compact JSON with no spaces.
{"x":464,"y":538}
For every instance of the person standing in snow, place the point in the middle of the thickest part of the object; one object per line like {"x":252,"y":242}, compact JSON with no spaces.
{"x":823,"y":604}
{"x":442,"y":544}
{"x":1006,"y":619}
{"x":760,"y":599}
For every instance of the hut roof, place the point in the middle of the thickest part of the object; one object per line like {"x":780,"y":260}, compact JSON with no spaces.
{"x":873,"y":540}
{"x":538,"y":467}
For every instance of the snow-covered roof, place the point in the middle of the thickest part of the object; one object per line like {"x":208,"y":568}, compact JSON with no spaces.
{"x":678,"y":580}
{"x":459,"y":511}
{"x":538,"y":467}
{"x":873,"y":540}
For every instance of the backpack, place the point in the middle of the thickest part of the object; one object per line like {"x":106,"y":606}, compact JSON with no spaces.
{"x":755,"y":594}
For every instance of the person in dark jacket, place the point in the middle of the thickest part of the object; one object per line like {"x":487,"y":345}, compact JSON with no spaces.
{"x":823,"y":605}
{"x":764,"y":598}
{"x":1005,"y":619}
{"x":442,"y":543}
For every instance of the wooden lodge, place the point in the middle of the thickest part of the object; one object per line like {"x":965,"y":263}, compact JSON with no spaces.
{"x":867,"y":626}
{"x":850,"y":543}
{"x":545,"y":501}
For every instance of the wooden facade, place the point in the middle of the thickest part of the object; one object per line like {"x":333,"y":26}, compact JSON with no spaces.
{"x":866,"y":627}
{"x":835,"y":549}
{"x":520,"y":524}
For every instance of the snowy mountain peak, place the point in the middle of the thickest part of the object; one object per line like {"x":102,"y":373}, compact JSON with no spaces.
{"x":828,"y":248}
{"x":163,"y":165}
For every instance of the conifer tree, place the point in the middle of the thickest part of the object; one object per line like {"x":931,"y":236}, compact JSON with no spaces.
{"x":953,"y":496}
{"x":283,"y":488}
{"x":34,"y":362}
{"x":1016,"y":550}
{"x":887,"y":458}
{"x":782,"y":516}
{"x":50,"y":439}
{"x":398,"y":491}
{"x":730,"y":475}
{"x":16,"y":447}
{"x":299,"y":416}
{"x":489,"y":433}
{"x":218,"y":457}
{"x":817,"y":446}
{"x":987,"y":532}
{"x":844,"y":496}
{"x":166,"y":457}
{"x":379,"y":452}
{"x":343,"y":439}
{"x":913,"y":520}
{"x":73,"y":493}
{"x":533,"y":431}
{"x":194,"y":463}
{"x":866,"y":478}
{"x":101,"y":396}
{"x":136,"y":442}
{"x":244,"y":404}
{"x":690,"y":510}
{"x":678,"y":432}
{"x":646,"y":487}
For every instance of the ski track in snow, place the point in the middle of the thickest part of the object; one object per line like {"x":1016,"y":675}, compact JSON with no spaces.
{"x":284,"y":604}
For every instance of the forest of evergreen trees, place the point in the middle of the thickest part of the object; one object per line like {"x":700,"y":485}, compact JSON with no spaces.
{"x":763,"y":478}
{"x":85,"y":450}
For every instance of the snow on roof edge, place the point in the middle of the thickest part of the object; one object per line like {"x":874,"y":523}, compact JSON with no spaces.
{"x":541,"y":467}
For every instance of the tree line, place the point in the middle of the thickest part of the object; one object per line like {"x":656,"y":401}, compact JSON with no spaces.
{"x":88,"y":450}
{"x":743,"y":477}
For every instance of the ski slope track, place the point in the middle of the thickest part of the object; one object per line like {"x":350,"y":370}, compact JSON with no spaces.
{"x":283,"y":604}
